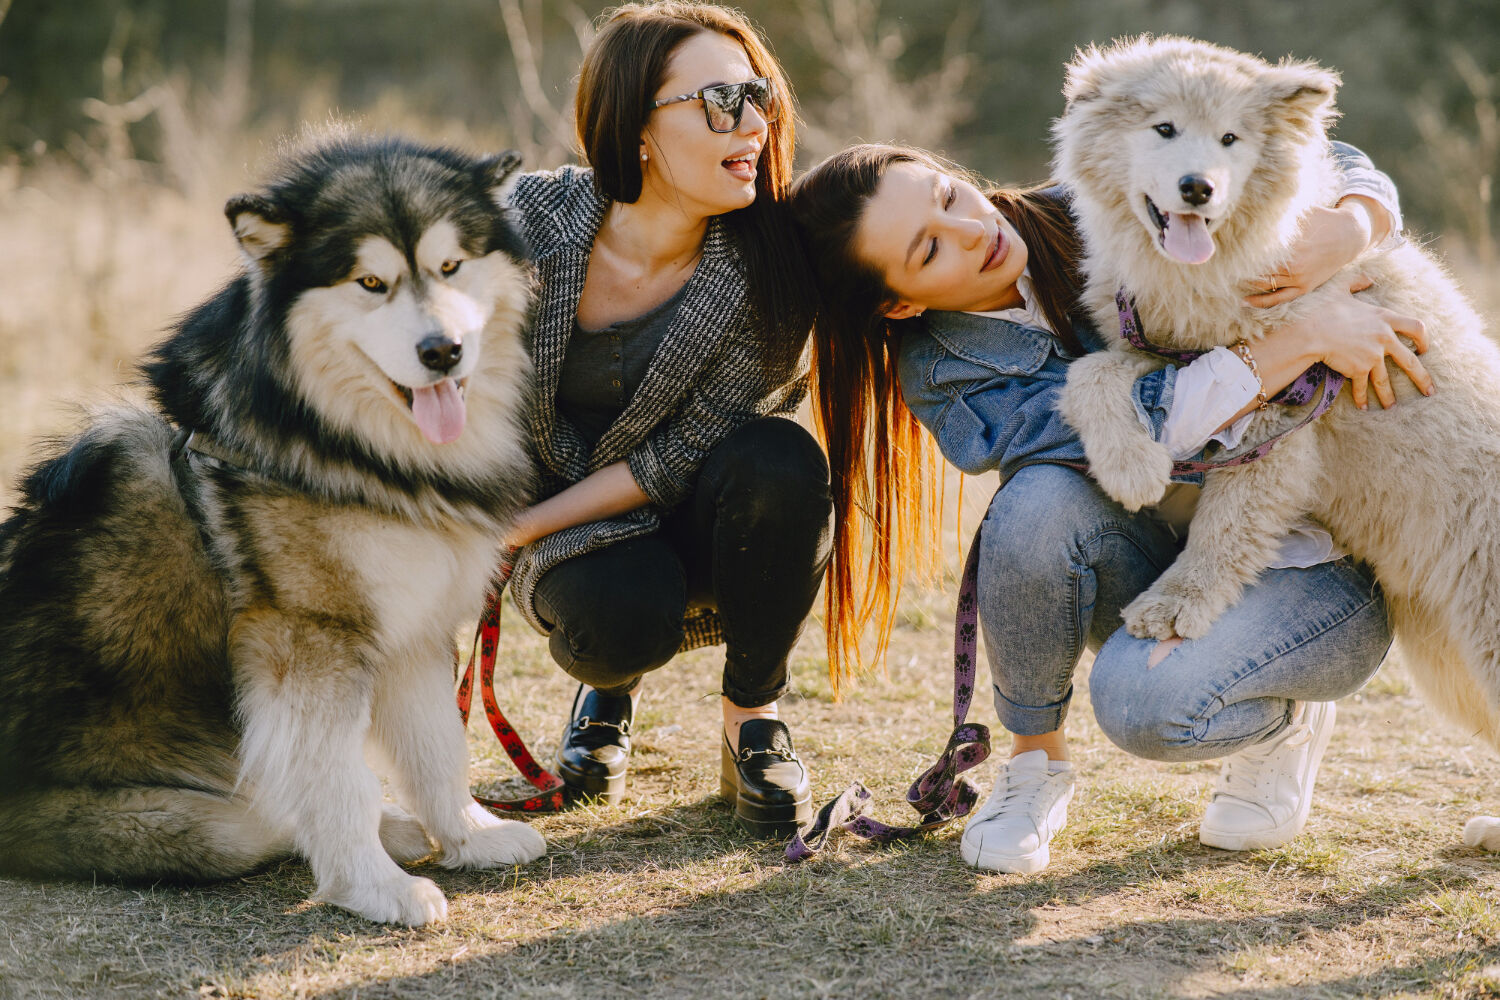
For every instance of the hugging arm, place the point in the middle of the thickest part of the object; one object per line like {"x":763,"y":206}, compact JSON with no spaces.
{"x":1365,"y":214}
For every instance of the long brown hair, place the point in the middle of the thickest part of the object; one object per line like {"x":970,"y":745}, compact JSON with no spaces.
{"x":624,"y":67}
{"x":884,"y":469}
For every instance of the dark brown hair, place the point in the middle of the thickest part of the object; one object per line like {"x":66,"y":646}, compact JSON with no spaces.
{"x":621,"y":73}
{"x":883,"y":464}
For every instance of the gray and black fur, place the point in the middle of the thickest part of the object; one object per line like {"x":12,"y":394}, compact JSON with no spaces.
{"x":197,"y":638}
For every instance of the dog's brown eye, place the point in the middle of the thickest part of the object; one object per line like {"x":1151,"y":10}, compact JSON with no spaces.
{"x":450,"y":267}
{"x":1228,"y":138}
{"x":370,"y":283}
{"x":1166,"y":130}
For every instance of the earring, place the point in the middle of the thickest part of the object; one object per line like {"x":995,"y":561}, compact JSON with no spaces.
{"x":643,"y":157}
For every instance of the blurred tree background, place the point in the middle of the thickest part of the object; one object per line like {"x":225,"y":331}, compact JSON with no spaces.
{"x":124,"y":124}
{"x":168,"y":83}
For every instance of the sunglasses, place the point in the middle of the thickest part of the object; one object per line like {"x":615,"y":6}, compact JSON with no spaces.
{"x":724,"y":104}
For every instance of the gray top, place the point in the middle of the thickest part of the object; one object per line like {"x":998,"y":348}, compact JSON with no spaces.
{"x":602,"y":368}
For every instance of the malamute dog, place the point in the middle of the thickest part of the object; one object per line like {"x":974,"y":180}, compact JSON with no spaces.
{"x":1413,"y":490}
{"x":209,"y":611}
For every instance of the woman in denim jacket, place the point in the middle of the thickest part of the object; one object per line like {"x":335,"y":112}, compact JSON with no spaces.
{"x":956,"y":308}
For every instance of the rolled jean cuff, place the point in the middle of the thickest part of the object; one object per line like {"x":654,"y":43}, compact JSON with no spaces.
{"x":1031,"y":720}
{"x":742,"y":698}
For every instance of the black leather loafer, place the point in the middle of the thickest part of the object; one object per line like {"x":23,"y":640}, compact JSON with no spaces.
{"x":765,"y":781}
{"x":595,"y":750}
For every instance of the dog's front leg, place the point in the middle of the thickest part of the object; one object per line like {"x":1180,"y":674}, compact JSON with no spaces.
{"x":304,"y":694}
{"x":1242,"y":518}
{"x":417,"y":728}
{"x":1124,"y":459}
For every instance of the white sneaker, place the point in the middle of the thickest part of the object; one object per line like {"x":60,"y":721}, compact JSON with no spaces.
{"x":1011,"y":830}
{"x":1264,"y":792}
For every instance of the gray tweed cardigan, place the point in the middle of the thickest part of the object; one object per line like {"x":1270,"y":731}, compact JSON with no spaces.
{"x":717,"y":367}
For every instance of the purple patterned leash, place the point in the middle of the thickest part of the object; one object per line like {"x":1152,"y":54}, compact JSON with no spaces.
{"x":941,"y":794}
{"x":1299,"y":393}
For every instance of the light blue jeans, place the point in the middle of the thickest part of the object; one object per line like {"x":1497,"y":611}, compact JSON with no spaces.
{"x":1058,"y":562}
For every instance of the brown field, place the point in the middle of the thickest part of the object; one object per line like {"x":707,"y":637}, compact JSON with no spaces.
{"x":663,"y":896}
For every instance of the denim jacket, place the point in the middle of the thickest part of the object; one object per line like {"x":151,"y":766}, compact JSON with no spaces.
{"x":987,"y":388}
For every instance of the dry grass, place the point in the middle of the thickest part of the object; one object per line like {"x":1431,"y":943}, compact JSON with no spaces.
{"x":90,"y":275}
{"x":663,"y":896}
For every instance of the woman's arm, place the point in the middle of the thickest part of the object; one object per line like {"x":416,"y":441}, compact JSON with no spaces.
{"x":1348,"y":334}
{"x":609,"y":491}
{"x":1351,"y":336}
{"x":1332,"y":238}
{"x":992,"y":406}
{"x":1365,"y":214}
{"x":753,"y":375}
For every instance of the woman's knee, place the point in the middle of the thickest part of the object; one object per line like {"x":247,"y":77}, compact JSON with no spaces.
{"x":615,"y":644}
{"x":1038,"y":525}
{"x":1136,"y":714}
{"x":615,"y":613}
{"x":768,"y":466}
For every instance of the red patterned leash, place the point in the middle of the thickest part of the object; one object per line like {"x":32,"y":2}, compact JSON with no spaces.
{"x":486,"y":640}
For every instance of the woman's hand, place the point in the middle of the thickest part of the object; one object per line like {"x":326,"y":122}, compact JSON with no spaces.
{"x":1332,"y":238}
{"x":521,"y":531}
{"x":1354,"y":337}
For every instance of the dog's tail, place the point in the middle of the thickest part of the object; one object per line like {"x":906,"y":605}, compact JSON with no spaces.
{"x":134,"y":833}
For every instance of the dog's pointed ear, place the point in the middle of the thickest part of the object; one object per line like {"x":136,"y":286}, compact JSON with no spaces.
{"x":259,"y":226}
{"x":1303,"y":86}
{"x":1081,"y":83}
{"x":499,"y":174}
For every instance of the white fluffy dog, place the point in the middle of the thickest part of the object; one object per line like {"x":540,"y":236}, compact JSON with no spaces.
{"x":1413,"y":490}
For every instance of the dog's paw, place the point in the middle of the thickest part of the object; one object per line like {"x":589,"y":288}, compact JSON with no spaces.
{"x":402,"y":836}
{"x":1151,"y":616}
{"x":491,"y":842}
{"x":1484,"y":832}
{"x":407,"y":899}
{"x":1135,"y":476}
{"x":1171,"y":609}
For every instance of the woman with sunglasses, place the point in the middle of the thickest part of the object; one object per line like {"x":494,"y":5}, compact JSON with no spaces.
{"x":681,"y":507}
{"x":958,"y":310}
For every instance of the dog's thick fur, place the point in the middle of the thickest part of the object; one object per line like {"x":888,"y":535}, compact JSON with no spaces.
{"x":1413,"y":490}
{"x":200,"y":640}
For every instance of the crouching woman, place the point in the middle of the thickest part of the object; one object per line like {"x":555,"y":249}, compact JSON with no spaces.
{"x":681,"y":507}
{"x":955,"y":307}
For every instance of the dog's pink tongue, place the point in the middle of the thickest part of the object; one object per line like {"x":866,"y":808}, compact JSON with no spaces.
{"x":439,"y":411}
{"x":1186,"y":239}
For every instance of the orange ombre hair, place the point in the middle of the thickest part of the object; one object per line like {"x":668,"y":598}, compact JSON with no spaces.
{"x":884,"y":466}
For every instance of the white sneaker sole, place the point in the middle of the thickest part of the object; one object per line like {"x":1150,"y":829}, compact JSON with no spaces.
{"x":1014,"y":864}
{"x":1277,"y":836}
{"x":1025,"y":864}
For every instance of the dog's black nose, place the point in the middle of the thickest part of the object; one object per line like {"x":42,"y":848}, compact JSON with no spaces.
{"x":439,"y":353}
{"x":1195,"y":190}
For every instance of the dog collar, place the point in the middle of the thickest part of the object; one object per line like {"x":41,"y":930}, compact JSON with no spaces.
{"x":216,"y":453}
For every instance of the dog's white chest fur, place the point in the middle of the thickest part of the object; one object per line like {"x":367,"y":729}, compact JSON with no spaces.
{"x":414,"y":576}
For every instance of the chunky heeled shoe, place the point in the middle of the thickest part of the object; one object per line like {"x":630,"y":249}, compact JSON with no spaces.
{"x":595,"y":750}
{"x":765,"y":781}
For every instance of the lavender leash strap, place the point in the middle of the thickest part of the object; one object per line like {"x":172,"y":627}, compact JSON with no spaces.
{"x":942,"y":794}
{"x":1299,"y":393}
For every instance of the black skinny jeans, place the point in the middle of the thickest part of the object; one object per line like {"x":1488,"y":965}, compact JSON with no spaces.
{"x":751,"y":541}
